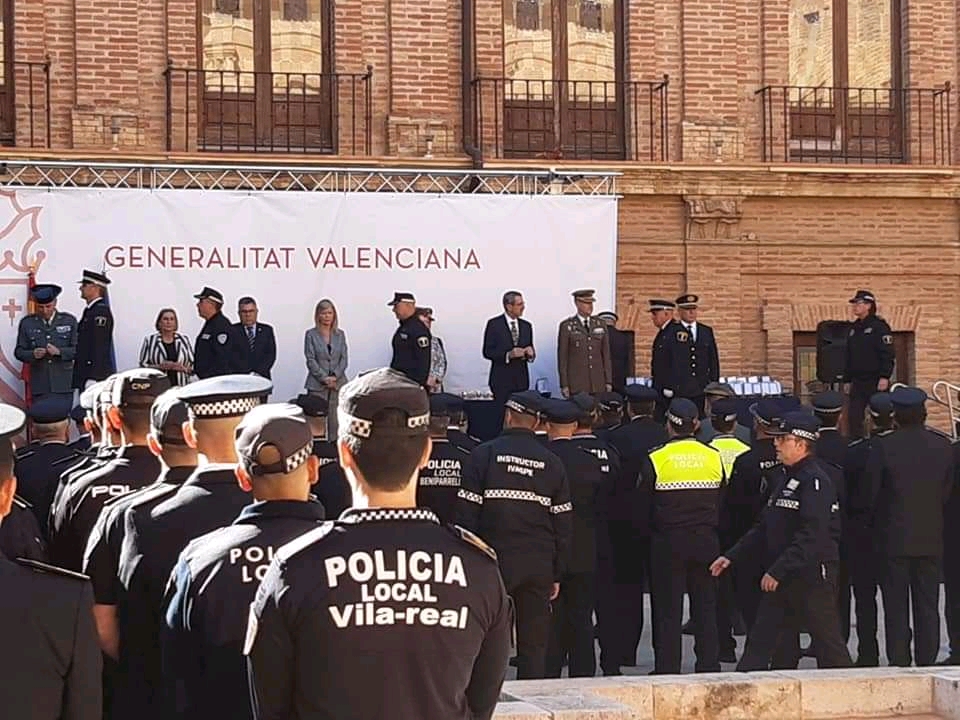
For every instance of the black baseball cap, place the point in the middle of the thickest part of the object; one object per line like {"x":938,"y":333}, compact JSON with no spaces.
{"x":139,"y":387}
{"x":208,"y":293}
{"x":281,"y":426}
{"x":682,"y":413}
{"x":167,"y":416}
{"x":372,"y":392}
{"x":312,"y":405}
{"x":399,"y":297}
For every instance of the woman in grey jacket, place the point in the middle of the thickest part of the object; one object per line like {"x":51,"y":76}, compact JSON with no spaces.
{"x":325,"y":350}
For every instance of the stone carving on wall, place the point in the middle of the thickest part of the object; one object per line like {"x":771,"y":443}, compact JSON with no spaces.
{"x":712,"y":217}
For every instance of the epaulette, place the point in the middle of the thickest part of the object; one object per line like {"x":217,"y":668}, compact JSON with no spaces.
{"x":304,"y":541}
{"x":23,"y":453}
{"x":941,"y":433}
{"x":883,"y":433}
{"x":855,"y":442}
{"x":50,"y":569}
{"x":21,"y":503}
{"x":474,"y":540}
{"x":68,"y":458}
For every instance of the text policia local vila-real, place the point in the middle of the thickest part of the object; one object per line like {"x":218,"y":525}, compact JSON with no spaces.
{"x":247,"y":257}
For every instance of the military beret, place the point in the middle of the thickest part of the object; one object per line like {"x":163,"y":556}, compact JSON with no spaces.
{"x":682,"y":412}
{"x":281,"y":426}
{"x":49,"y":409}
{"x":609,"y":401}
{"x":688,"y":302}
{"x":527,"y":401}
{"x":139,"y":387}
{"x":94,"y":278}
{"x":661,"y":305}
{"x":563,"y":412}
{"x":725,"y":408}
{"x":167,"y":416}
{"x":45,"y":293}
{"x":208,"y":293}
{"x":880,"y":404}
{"x":312,"y":405}
{"x":864,"y":296}
{"x":399,"y":297}
{"x":908,"y":397}
{"x":799,"y":423}
{"x":828,"y":401}
{"x":640,"y":393}
{"x":383,"y":389}
{"x":225,"y":396}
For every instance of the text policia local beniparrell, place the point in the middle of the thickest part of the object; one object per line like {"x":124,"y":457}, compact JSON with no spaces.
{"x":252,"y":257}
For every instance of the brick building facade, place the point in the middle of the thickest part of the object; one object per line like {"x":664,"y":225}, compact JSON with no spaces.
{"x":752,"y":173}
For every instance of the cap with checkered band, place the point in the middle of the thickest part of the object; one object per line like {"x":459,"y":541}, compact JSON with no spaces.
{"x":280,"y":426}
{"x":368,"y":394}
{"x":799,"y":423}
{"x":225,"y":396}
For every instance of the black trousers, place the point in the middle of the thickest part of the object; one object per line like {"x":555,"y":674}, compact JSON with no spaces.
{"x":843,"y":600}
{"x":571,"y":631}
{"x":864,"y":579}
{"x":746,"y":586}
{"x":531,"y":601}
{"x":860,"y":392}
{"x":677,"y":563}
{"x":916,"y":581}
{"x":796,"y":603}
{"x":951,"y":588}
{"x":726,"y":612}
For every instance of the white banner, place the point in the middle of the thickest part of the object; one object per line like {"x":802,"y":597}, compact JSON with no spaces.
{"x":457,"y":253}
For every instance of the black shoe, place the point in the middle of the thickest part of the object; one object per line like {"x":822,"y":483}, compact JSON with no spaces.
{"x":688,"y":628}
{"x":866,"y":662}
{"x":808,"y":651}
{"x":728,"y":656}
{"x":951,"y":660}
{"x":513,"y":661}
{"x":739,"y":627}
{"x":612,"y":673}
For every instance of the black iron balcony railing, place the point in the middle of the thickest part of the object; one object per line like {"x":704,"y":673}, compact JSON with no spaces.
{"x":240,"y":111}
{"x":571,"y":119}
{"x":25,"y":104}
{"x":856,"y":125}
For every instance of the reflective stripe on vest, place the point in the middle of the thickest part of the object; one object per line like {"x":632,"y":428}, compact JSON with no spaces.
{"x":687,"y":465}
{"x":730,"y":449}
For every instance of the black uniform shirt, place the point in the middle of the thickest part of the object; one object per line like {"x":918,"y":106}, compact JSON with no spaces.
{"x":589,"y":477}
{"x":661,"y":369}
{"x":755,"y":473}
{"x":832,"y":446}
{"x":88,"y":462}
{"x":439,"y":481}
{"x":216,"y":352}
{"x":50,"y":656}
{"x":152,"y":542}
{"x":458,"y":437}
{"x":207,"y":604}
{"x":81,"y":444}
{"x":101,"y":560}
{"x":331,"y":489}
{"x":411,"y":350}
{"x":794,"y":536}
{"x":20,"y":533}
{"x":516,"y":496}
{"x":94,"y":359}
{"x":133,"y":468}
{"x":869,"y":351}
{"x":382,"y":614}
{"x":38,"y":477}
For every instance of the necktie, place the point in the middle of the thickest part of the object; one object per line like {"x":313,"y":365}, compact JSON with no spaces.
{"x":514,"y":332}
{"x":693,"y":332}
{"x":251,"y":336}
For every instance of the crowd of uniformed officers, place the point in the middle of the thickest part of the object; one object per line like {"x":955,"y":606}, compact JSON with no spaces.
{"x":210,"y":553}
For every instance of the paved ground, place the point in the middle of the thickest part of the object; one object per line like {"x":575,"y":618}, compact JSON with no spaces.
{"x":645,"y":653}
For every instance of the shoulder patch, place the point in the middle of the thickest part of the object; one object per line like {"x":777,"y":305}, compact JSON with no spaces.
{"x":474,"y":540}
{"x":100,"y":321}
{"x":50,"y":569}
{"x":423,"y":341}
{"x":304,"y":541}
{"x":222,"y":338}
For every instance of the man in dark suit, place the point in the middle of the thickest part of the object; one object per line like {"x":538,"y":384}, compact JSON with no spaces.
{"x":256,"y":343}
{"x":508,"y":345}
{"x":622,"y":351}
{"x":694,"y":359}
{"x":94,"y":359}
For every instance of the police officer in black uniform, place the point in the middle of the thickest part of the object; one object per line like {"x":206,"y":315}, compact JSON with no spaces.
{"x":692,"y":351}
{"x":439,"y":482}
{"x":133,"y":467}
{"x":859,"y":543}
{"x":79,"y":416}
{"x":332,"y":489}
{"x":382,"y":583}
{"x":411,"y":341}
{"x":910,"y":479}
{"x":457,"y":429}
{"x":49,"y":658}
{"x":572,"y":635}
{"x":155,"y":536}
{"x":796,"y":537}
{"x":516,"y":496}
{"x":207,"y":602}
{"x":218,"y":349}
{"x":756,"y":473}
{"x":661,"y":368}
{"x":36,"y":465}
{"x":869,"y":358}
{"x":20,"y":535}
{"x":102,"y":555}
{"x":94,"y":359}
{"x":629,"y":518}
{"x":831,"y":445}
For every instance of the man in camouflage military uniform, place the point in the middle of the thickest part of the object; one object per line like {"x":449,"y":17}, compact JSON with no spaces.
{"x":583,"y":350}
